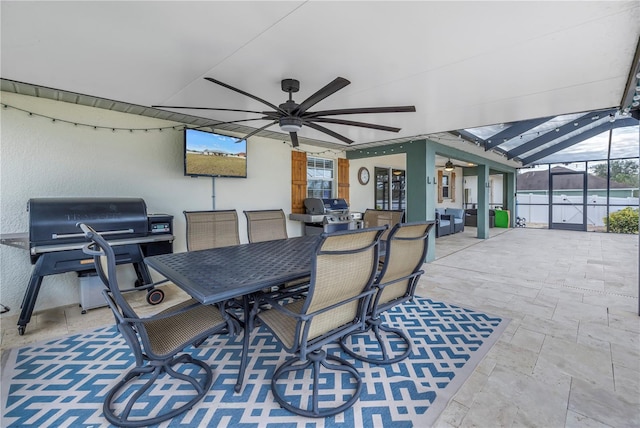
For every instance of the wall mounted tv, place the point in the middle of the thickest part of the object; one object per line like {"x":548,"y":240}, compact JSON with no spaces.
{"x":214,"y":155}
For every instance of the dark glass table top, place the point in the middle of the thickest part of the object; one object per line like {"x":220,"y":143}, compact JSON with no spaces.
{"x":218,"y":274}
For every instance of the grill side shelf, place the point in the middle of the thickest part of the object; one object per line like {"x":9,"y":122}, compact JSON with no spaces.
{"x":17,"y":240}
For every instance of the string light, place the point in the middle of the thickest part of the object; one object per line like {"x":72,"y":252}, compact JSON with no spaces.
{"x":298,"y":149}
{"x":95,"y":127}
{"x":161,"y":129}
{"x":331,"y":151}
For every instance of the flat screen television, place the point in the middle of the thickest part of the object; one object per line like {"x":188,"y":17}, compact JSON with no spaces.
{"x":211,"y":154}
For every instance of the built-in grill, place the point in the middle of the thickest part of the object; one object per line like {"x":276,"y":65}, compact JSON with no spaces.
{"x":55,"y":242}
{"x":327,"y":215}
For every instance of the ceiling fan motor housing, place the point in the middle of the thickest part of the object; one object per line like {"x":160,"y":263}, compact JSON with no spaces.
{"x":290,"y":85}
{"x":288,"y":106}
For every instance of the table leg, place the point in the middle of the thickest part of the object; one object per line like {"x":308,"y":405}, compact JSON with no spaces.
{"x":246,"y":303}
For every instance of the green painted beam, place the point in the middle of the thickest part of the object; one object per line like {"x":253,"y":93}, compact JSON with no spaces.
{"x":440,"y":149}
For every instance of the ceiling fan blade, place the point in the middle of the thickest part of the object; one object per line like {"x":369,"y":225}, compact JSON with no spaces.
{"x":232,"y":121}
{"x":254,"y":132}
{"x":214,"y":109}
{"x":352,"y":123}
{"x":363,"y":110}
{"x":328,"y":132}
{"x":331,"y":88}
{"x":240,"y":91}
{"x":294,"y":139}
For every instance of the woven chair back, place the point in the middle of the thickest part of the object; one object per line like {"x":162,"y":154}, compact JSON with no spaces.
{"x":211,"y":229}
{"x":374,"y":218}
{"x":266,"y":225}
{"x":405,"y":253}
{"x":344,"y":267}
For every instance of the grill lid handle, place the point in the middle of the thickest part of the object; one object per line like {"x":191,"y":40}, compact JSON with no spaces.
{"x":81,"y":235}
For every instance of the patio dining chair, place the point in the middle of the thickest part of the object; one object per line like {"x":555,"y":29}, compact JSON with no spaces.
{"x":374,"y":218}
{"x":406,"y":249}
{"x":266,"y":225}
{"x":157,"y":343}
{"x":343,"y":269}
{"x":211,"y":229}
{"x":269,"y":225}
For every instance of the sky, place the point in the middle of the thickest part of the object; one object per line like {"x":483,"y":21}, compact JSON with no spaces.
{"x":200,"y":140}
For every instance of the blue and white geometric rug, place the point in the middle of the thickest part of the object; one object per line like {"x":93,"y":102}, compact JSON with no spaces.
{"x":62,"y":382}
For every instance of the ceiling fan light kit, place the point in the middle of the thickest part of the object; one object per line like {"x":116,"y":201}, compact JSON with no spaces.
{"x":290,"y":124}
{"x":291,"y":116}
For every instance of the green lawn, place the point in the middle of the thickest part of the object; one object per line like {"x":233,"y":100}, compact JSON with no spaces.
{"x":216,"y":165}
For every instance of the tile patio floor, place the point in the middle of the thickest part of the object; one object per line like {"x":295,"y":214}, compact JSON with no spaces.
{"x":569,"y":357}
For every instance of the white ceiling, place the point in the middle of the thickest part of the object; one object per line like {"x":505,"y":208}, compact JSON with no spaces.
{"x":462,"y":64}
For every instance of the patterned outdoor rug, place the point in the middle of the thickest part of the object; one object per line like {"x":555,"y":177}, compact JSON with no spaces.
{"x":63,"y":382}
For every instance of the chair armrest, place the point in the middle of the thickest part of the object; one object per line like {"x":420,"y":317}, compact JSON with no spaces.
{"x":159,"y":316}
{"x":404,"y":278}
{"x":306,"y":317}
{"x":163,"y":315}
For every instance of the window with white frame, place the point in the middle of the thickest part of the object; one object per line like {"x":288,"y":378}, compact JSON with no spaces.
{"x":320,"y":177}
{"x":445,"y":186}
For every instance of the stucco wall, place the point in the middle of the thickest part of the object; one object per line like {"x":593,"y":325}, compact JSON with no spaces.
{"x":363,"y":196}
{"x":42,"y":158}
{"x":495,"y":194}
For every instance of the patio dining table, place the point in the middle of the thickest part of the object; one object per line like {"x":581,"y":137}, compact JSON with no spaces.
{"x":221,"y":274}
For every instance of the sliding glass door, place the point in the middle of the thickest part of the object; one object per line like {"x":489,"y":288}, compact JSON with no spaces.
{"x":390,"y":189}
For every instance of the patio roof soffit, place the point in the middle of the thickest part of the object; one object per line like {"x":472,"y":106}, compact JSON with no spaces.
{"x":630,"y":102}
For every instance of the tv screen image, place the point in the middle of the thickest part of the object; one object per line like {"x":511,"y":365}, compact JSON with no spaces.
{"x":214,"y":155}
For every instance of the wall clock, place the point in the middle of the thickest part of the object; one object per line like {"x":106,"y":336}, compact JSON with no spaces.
{"x":363,"y":175}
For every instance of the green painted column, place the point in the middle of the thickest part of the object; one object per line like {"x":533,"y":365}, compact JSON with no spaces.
{"x":421,"y":188}
{"x":483,"y":201}
{"x":416,"y":183}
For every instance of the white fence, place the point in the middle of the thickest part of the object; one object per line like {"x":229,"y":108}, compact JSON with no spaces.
{"x":572,"y":212}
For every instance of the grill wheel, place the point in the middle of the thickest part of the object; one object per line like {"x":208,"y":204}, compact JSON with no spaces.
{"x":155,"y":296}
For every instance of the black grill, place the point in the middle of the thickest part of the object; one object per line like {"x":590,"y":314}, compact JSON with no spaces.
{"x":55,"y":242}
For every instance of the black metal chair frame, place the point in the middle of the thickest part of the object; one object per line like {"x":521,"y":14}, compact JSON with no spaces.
{"x":134,"y":331}
{"x":374,"y":321}
{"x":308,"y":352}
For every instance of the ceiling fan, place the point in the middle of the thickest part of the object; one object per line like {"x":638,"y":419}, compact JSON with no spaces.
{"x":450,"y":166}
{"x":291,"y":116}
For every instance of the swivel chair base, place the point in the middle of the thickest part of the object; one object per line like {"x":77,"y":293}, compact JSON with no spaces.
{"x":376,"y":351}
{"x":314,"y":360}
{"x":124,"y":418}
